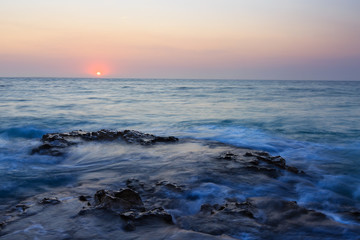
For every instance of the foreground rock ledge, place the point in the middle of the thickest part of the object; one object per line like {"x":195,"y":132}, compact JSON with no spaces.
{"x":190,"y":192}
{"x":55,"y":143}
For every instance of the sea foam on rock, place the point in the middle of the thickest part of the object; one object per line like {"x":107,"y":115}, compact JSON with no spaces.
{"x":55,"y":143}
{"x":195,"y":189}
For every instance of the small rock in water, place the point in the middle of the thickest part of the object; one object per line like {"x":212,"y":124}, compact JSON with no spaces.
{"x":228,"y":156}
{"x":83,"y":198}
{"x":119,"y":201}
{"x":52,"y":201}
{"x":129,"y":226}
{"x":55,"y":143}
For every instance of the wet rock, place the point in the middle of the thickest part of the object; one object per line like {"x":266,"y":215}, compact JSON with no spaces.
{"x":132,"y":136}
{"x":51,"y":201}
{"x":156,"y":213}
{"x":139,"y":186}
{"x":55,"y":143}
{"x":353,"y":215}
{"x":171,"y":186}
{"x":22,"y":207}
{"x":128,"y":204}
{"x":220,"y":219}
{"x":277,"y":161}
{"x":248,"y":154}
{"x":119,"y":201}
{"x":228,"y":156}
{"x":83,"y":198}
{"x":129,"y":226}
{"x":287,"y":214}
{"x":2,"y":225}
{"x":263,"y":154}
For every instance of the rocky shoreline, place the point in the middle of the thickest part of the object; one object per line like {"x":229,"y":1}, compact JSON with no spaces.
{"x":159,"y":206}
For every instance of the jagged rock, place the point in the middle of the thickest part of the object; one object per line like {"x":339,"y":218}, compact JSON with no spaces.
{"x":119,"y":201}
{"x":277,"y":161}
{"x":83,"y":198}
{"x":281,"y":214}
{"x":220,"y":219}
{"x":52,"y":201}
{"x":228,"y":156}
{"x":22,"y":207}
{"x":129,"y":226}
{"x":158,"y":213}
{"x":269,"y":214}
{"x":55,"y":143}
{"x":171,"y":186}
{"x":132,"y":136}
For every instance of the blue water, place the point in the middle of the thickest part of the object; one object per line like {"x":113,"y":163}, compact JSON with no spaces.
{"x":314,"y":125}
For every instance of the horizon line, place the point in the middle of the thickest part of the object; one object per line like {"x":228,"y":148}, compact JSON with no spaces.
{"x":201,"y":79}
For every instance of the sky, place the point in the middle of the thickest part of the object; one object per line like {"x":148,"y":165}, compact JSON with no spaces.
{"x":212,"y":39}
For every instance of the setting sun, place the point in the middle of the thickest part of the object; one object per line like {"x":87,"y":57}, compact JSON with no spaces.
{"x":98,"y":73}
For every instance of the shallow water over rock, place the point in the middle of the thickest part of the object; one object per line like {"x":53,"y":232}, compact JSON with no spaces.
{"x":176,"y":189}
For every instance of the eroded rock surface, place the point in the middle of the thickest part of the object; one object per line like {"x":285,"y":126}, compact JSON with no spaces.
{"x":191,"y":190}
{"x":127,"y":204}
{"x":55,"y":143}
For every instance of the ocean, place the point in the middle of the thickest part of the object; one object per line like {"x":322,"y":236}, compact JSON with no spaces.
{"x":314,"y":125}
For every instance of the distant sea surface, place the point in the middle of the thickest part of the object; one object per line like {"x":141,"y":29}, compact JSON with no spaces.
{"x":314,"y":125}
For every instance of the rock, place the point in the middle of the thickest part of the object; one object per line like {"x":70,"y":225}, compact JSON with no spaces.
{"x":220,"y":219}
{"x":157,"y":213}
{"x":119,"y":201}
{"x":55,"y":143}
{"x":277,"y":161}
{"x":353,"y":215}
{"x":51,"y":201}
{"x":22,"y":207}
{"x":228,"y":156}
{"x":281,"y":213}
{"x":170,"y":186}
{"x":128,"y":204}
{"x":83,"y":198}
{"x":129,"y":226}
{"x":132,"y":136}
{"x":248,"y":154}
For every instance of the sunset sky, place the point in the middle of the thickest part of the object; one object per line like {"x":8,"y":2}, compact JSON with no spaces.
{"x":230,"y":39}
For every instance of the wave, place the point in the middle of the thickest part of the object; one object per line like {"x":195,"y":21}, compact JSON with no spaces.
{"x":22,"y":132}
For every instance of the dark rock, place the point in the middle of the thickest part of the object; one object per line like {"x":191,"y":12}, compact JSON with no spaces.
{"x":277,"y":161}
{"x":220,"y":219}
{"x":132,"y":136}
{"x":55,"y":143}
{"x":119,"y":201}
{"x":228,"y":156}
{"x":293,"y":169}
{"x":170,"y":186}
{"x":83,"y":198}
{"x":22,"y":207}
{"x":155,"y":213}
{"x":51,"y":201}
{"x":263,"y":154}
{"x":2,"y":225}
{"x":248,"y":154}
{"x":129,"y":226}
{"x":353,"y":215}
{"x":280,"y":213}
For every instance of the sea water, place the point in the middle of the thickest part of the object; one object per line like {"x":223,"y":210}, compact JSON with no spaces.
{"x":314,"y":125}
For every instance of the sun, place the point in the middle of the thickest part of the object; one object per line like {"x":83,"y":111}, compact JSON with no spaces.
{"x":98,"y":73}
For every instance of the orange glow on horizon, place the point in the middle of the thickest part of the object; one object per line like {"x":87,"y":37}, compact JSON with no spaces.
{"x":97,"y":69}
